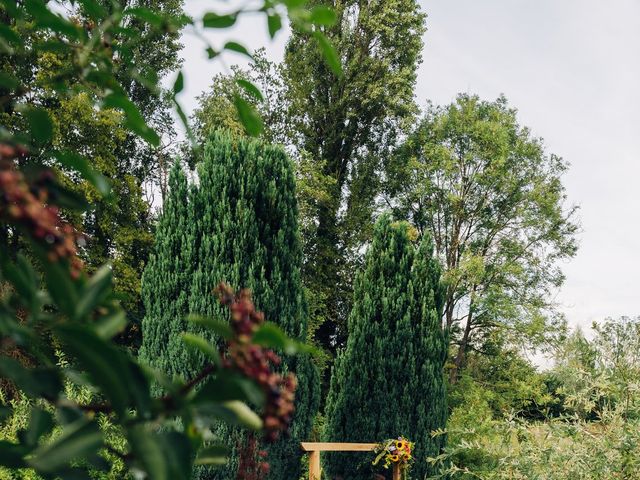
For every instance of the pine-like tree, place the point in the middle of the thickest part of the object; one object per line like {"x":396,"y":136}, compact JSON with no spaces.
{"x":166,"y":282}
{"x":388,"y":381}
{"x":242,"y":229}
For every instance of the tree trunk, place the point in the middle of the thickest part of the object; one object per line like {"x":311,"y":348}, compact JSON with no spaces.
{"x":458,"y":363}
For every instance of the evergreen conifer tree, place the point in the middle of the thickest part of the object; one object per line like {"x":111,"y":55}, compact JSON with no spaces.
{"x":242,"y":229}
{"x":166,"y":281}
{"x":388,"y":381}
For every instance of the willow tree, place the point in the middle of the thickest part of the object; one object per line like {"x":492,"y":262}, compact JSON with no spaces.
{"x":388,"y":381}
{"x":239,"y":226}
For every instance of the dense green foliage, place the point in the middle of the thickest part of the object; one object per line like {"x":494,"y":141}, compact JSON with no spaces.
{"x":166,"y":283}
{"x":347,"y":126}
{"x":120,"y":230}
{"x":79,"y":87}
{"x":339,"y":130}
{"x":388,"y":381}
{"x":494,"y":203}
{"x":86,"y":140}
{"x":582,"y":419}
{"x":238,"y":225}
{"x":216,"y":111}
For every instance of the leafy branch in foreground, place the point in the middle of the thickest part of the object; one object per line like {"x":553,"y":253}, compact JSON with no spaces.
{"x":75,"y":318}
{"x":57,"y":322}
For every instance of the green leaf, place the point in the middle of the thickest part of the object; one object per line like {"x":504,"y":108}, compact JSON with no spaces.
{"x":146,"y":15}
{"x":219,"y":327}
{"x":226,"y":386}
{"x":243,"y":414}
{"x":40,"y":125}
{"x":184,"y":120}
{"x":12,"y":8}
{"x":40,"y":423}
{"x":211,"y":53}
{"x":95,"y":292}
{"x":67,"y":415}
{"x":163,"y":456}
{"x":93,"y":9}
{"x":212,"y":455}
{"x":8,"y":34}
{"x":35,"y":382}
{"x":271,"y":336}
{"x":11,"y":454}
{"x":8,"y":81}
{"x":237,"y":47}
{"x":329,"y":52}
{"x":68,"y":198}
{"x":274,"y":23}
{"x":77,"y":441}
{"x":81,"y":165}
{"x":178,"y":85}
{"x":45,"y":18}
{"x":21,"y":276}
{"x":62,"y":288}
{"x":133,"y":118}
{"x":108,"y":326}
{"x":213,"y":20}
{"x":248,"y":116}
{"x":200,"y":344}
{"x":105,"y":364}
{"x":293,"y":4}
{"x":322,"y":15}
{"x":250,"y":88}
{"x":5,"y":412}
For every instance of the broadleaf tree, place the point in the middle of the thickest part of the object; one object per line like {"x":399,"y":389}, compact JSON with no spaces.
{"x":120,"y":229}
{"x":494,"y":203}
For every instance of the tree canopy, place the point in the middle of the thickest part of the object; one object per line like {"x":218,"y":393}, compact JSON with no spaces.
{"x":493,"y":201}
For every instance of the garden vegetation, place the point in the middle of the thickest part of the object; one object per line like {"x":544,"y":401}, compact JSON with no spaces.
{"x":316,"y":259}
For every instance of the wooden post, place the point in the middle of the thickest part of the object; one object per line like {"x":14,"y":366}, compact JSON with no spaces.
{"x":396,"y":471}
{"x":314,"y":465}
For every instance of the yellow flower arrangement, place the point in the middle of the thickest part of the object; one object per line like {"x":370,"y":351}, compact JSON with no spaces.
{"x":395,"y":451}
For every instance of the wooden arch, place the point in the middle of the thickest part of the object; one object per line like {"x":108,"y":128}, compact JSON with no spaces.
{"x":314,"y":449}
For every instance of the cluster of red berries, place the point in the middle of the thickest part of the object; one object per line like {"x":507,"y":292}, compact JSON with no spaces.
{"x":28,"y":205}
{"x":252,"y":463}
{"x":257,"y":362}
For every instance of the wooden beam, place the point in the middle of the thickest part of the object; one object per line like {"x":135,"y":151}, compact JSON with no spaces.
{"x":338,"y":447}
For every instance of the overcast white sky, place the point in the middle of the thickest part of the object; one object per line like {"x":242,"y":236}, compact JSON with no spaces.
{"x":572,"y":69}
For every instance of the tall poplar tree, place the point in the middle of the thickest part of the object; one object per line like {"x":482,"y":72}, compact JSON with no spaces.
{"x":242,"y":230}
{"x":388,"y":381}
{"x":347,"y":125}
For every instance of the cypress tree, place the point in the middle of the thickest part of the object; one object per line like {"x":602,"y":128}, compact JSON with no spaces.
{"x":166,"y":281}
{"x":243,"y":231}
{"x":388,"y":381}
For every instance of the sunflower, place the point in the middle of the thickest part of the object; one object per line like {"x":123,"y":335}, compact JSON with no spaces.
{"x":394,"y":458}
